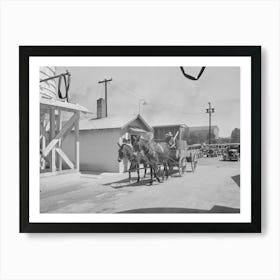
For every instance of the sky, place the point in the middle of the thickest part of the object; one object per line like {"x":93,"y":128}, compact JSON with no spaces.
{"x":169,"y":96}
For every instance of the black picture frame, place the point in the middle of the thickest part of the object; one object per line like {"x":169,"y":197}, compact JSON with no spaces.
{"x":254,"y":52}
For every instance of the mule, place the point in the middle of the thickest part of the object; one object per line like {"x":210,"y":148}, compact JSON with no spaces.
{"x":157,"y":153}
{"x":126,"y":152}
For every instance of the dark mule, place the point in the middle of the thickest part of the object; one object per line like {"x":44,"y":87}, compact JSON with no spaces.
{"x":135,"y":159}
{"x":164,"y":155}
{"x":157,"y":153}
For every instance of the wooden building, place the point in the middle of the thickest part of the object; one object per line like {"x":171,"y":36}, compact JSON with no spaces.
{"x":99,"y":138}
{"x":52,"y":132}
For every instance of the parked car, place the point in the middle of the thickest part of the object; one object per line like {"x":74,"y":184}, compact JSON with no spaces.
{"x":212,"y":153}
{"x":232,"y":152}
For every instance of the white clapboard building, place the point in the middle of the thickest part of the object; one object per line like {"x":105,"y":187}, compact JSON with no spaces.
{"x":99,"y":138}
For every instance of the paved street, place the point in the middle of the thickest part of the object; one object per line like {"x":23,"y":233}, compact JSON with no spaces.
{"x":214,"y":188}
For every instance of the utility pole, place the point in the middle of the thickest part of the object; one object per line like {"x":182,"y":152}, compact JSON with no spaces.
{"x":105,"y":81}
{"x":210,"y":110}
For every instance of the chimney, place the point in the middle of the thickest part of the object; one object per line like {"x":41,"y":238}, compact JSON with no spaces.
{"x":101,"y":108}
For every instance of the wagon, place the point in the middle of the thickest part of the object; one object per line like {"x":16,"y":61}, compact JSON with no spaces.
{"x":179,"y":153}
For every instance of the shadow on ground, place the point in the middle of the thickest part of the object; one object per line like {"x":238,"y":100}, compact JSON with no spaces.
{"x":236,"y":179}
{"x":124,"y":183}
{"x":164,"y":210}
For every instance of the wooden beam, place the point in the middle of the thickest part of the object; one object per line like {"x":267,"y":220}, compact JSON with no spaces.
{"x":67,"y":132}
{"x":52,"y":123}
{"x":68,"y":126}
{"x":52,"y":135}
{"x":77,"y":142}
{"x":65,"y":158}
{"x":43,"y":131}
{"x":53,"y":165}
{"x":59,"y":163}
{"x":43,"y":147}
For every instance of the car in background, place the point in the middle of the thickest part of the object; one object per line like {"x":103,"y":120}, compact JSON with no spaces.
{"x":232,"y":152}
{"x":212,"y":153}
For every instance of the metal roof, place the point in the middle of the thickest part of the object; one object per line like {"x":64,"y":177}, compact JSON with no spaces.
{"x":114,"y":121}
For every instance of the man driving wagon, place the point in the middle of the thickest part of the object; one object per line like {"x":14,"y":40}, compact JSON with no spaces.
{"x":169,"y":139}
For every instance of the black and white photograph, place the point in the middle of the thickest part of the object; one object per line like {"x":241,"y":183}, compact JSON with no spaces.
{"x":141,"y":135}
{"x":139,"y":139}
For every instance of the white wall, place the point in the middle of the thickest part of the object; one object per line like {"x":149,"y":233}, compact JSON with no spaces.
{"x":98,"y":149}
{"x":138,"y":256}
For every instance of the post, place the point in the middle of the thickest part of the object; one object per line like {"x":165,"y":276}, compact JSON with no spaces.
{"x":60,"y":142}
{"x":210,"y":111}
{"x":52,"y":135}
{"x":106,"y":102}
{"x":77,"y":142}
{"x":42,"y":139}
{"x":209,"y":124}
{"x":105,"y":81}
{"x":43,"y":166}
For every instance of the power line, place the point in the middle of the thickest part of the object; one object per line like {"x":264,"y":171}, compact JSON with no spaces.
{"x":164,"y":108}
{"x":126,"y":91}
{"x":129,"y":91}
{"x":158,"y":107}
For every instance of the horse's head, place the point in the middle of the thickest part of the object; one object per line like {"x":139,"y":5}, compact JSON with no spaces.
{"x":125,"y":151}
{"x":120,"y":152}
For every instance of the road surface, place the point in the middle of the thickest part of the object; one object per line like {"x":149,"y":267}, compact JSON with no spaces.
{"x":214,"y":188}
